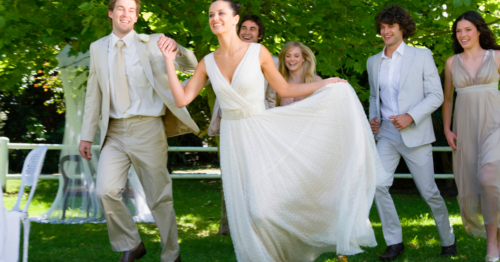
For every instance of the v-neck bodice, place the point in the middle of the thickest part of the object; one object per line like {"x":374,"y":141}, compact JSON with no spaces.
{"x":246,"y":90}
{"x":486,"y":74}
{"x":237,"y":67}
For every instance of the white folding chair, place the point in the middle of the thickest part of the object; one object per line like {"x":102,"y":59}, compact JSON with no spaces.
{"x":29,"y":177}
{"x":3,"y":229}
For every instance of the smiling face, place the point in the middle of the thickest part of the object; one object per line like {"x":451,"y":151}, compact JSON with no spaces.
{"x":124,"y":17}
{"x":467,"y":34}
{"x":392,"y":34}
{"x":294,"y":59}
{"x":249,"y":32}
{"x":221,"y":18}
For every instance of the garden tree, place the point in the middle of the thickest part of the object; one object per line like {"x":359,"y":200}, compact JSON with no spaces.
{"x":340,"y":32}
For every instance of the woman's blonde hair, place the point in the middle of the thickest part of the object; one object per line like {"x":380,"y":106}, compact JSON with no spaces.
{"x":308,"y":67}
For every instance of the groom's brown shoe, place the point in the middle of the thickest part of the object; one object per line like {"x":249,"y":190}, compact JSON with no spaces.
{"x":132,"y":255}
{"x":392,"y":252}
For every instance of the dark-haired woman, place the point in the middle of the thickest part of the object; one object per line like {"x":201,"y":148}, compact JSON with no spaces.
{"x":298,"y":180}
{"x":474,"y":73}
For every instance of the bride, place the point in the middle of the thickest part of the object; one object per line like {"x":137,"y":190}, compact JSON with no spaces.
{"x":298,"y":180}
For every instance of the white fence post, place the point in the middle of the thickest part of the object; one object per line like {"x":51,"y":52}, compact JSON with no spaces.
{"x":4,"y":162}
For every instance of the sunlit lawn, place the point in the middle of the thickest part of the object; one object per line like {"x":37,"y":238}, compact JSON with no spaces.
{"x":197,"y":204}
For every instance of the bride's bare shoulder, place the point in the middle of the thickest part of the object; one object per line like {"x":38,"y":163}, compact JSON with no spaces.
{"x":265,"y":55}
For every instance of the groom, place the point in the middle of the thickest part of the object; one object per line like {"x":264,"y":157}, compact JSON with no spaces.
{"x":128,"y":88}
{"x":405,"y":89}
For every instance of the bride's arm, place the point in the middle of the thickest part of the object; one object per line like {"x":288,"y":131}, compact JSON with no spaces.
{"x":182,"y":96}
{"x":283,"y":88}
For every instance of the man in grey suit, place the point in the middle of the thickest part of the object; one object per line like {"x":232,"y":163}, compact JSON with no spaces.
{"x":405,"y":89}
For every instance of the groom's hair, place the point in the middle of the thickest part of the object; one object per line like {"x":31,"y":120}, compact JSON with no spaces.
{"x":395,"y":14}
{"x":111,"y":7}
{"x":256,"y":20}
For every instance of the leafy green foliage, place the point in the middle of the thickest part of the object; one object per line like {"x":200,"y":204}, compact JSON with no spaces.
{"x":340,"y":32}
{"x":35,"y":115}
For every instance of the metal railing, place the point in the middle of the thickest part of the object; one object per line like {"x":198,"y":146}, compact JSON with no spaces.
{"x":5,"y":146}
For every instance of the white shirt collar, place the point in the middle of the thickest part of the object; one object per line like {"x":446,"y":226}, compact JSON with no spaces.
{"x":128,"y":39}
{"x":400,"y":50}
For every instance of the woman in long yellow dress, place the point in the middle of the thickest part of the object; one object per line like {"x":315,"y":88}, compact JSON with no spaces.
{"x":474,"y":73}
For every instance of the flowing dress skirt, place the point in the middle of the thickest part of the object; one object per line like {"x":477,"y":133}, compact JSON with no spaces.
{"x":476,"y":162}
{"x":300,"y":180}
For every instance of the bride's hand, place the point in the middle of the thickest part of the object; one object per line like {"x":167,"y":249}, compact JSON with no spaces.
{"x":333,"y":80}
{"x":168,"y":47}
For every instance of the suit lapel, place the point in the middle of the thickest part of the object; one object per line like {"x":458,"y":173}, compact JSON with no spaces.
{"x":405,"y":67}
{"x":103,"y":57}
{"x":376,"y":69}
{"x":142,"y":52}
{"x":375,"y":73}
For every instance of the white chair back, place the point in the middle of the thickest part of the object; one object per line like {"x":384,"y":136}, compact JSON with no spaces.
{"x":3,"y":225}
{"x":29,"y":176}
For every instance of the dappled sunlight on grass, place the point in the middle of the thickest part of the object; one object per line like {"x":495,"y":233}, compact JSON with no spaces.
{"x":197,"y":206}
{"x":187,"y":222}
{"x":45,"y":194}
{"x":197,"y":225}
{"x":149,"y":229}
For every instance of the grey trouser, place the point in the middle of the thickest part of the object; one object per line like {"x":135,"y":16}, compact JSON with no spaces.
{"x":419,"y":160}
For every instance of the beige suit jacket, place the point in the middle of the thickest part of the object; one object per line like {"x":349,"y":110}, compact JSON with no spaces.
{"x":177,"y":121}
{"x":270,"y":102}
{"x":420,"y":93}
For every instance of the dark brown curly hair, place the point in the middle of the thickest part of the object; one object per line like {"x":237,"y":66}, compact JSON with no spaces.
{"x":486,"y":37}
{"x":395,"y":14}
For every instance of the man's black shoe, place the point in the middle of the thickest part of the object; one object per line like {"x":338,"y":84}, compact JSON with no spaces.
{"x":449,"y":250}
{"x":392,"y":252}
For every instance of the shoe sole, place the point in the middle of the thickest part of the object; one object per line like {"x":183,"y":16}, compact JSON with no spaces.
{"x":392,"y":258}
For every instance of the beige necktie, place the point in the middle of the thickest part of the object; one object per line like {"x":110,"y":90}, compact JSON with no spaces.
{"x":120,"y":79}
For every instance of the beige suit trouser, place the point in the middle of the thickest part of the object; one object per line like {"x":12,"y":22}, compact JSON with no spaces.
{"x":419,"y":160}
{"x":140,"y":141}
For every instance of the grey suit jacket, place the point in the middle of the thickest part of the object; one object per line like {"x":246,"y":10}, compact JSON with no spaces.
{"x":177,"y":121}
{"x":420,"y":93}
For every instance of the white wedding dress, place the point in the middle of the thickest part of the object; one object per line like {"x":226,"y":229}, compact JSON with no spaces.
{"x":298,"y":180}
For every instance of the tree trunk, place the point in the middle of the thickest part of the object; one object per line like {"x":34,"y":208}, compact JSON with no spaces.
{"x":224,"y":223}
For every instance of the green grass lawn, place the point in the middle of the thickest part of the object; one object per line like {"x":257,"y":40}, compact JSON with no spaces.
{"x":197,"y":204}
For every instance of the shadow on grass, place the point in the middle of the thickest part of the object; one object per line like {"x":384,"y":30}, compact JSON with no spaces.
{"x":197,"y":205}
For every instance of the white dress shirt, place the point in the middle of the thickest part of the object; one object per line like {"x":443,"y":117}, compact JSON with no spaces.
{"x":144,"y":101}
{"x":389,"y":76}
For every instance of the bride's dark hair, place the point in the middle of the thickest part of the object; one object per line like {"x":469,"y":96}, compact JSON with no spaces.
{"x":236,"y":6}
{"x":486,"y":37}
